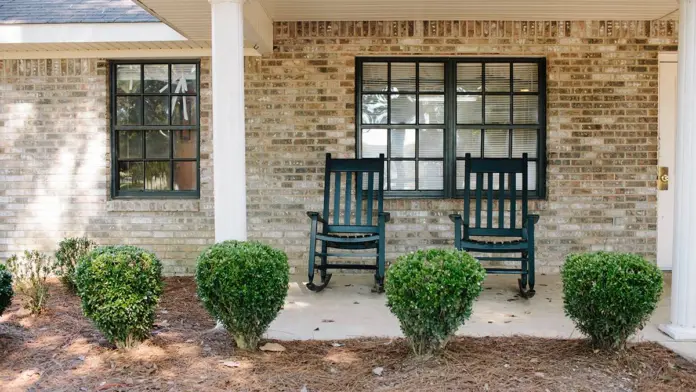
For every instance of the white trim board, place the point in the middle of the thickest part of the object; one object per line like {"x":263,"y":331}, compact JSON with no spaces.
{"x":87,"y":32}
{"x":116,"y":54}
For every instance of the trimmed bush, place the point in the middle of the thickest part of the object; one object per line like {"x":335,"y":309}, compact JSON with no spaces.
{"x":30,"y":273}
{"x":431,"y":292}
{"x":6,"y":291}
{"x":243,"y":285}
{"x":610,"y":295}
{"x":120,"y":287}
{"x":70,"y":250}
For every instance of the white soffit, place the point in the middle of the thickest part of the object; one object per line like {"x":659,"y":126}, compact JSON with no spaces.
{"x":87,"y":32}
{"x":355,"y":10}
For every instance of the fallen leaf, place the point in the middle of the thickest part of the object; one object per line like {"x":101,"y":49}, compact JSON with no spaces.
{"x":274,"y":347}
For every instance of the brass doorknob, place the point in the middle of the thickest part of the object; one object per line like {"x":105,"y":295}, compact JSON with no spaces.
{"x":662,"y":178}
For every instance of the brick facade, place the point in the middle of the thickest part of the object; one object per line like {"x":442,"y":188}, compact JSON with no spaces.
{"x":601,"y":140}
{"x":55,"y":167}
{"x":601,"y":135}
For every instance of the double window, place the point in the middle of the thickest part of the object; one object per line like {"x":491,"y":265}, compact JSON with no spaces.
{"x":155,"y":126}
{"x":425,"y":115}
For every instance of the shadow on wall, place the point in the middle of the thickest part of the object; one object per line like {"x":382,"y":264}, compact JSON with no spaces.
{"x":52,"y":148}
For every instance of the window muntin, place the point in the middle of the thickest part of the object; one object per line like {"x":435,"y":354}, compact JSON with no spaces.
{"x":425,"y":114}
{"x":155,"y":129}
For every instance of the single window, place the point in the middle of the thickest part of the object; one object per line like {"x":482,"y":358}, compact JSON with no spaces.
{"x":155,"y":121}
{"x":426,"y":114}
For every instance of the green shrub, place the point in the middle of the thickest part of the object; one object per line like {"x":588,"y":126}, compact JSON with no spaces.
{"x":120,"y":287}
{"x":243,"y":285}
{"x":70,"y":250}
{"x":431,"y":293}
{"x":30,"y":273}
{"x":6,"y":291}
{"x":610,"y":295}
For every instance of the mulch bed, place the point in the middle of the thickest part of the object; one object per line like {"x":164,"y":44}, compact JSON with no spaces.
{"x":61,"y":351}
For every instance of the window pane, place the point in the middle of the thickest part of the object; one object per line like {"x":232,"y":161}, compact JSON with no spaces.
{"x":432,"y":109}
{"x":156,"y":110}
{"x":184,"y":79}
{"x":128,"y":111}
{"x":469,"y":78}
{"x":431,"y":143}
{"x":497,"y":109}
{"x":374,"y":142}
{"x":531,"y":179}
{"x":525,"y":77}
{"x":431,"y":77}
{"x":403,"y":77}
{"x":496,"y":143}
{"x":185,"y":144}
{"x":403,"y":109}
{"x":157,"y":144}
{"x":403,"y":143}
{"x":185,"y":176}
{"x":403,"y":175}
{"x":374,"y":77}
{"x":374,"y":109}
{"x":526,"y":109}
{"x":430,"y":175}
{"x":468,"y":141}
{"x":130,"y":175}
{"x":524,"y":140}
{"x":461,"y":166}
{"x":469,"y":109}
{"x":127,"y":79}
{"x":497,"y":77}
{"x":156,"y":78}
{"x":130,"y":144}
{"x":157,"y":175}
{"x":184,"y":111}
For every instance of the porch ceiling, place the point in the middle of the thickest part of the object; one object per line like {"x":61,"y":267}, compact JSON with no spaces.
{"x":192,"y":17}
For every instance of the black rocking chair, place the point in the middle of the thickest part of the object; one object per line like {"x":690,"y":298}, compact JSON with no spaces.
{"x":489,"y":183}
{"x":350,"y":220}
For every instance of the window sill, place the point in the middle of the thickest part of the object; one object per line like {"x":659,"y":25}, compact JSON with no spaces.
{"x":152,"y":205}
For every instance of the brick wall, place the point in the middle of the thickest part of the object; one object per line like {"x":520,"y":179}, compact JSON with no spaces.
{"x":601,"y":140}
{"x":601,"y":136}
{"x":54,"y":167}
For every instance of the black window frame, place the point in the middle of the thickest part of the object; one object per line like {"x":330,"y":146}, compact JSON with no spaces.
{"x":117,"y":193}
{"x":450,"y":126}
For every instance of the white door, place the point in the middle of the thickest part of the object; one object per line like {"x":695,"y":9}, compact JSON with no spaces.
{"x":667,"y":123}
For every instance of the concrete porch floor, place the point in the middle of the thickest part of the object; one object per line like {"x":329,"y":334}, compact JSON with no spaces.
{"x":347,"y":309}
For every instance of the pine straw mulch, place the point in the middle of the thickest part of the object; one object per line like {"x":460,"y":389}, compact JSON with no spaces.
{"x":61,"y":351}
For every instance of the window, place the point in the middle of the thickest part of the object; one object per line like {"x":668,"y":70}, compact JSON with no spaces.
{"x":155,"y":126}
{"x":426,"y":114}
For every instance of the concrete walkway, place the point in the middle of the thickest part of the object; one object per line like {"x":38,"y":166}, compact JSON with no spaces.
{"x":347,"y":309}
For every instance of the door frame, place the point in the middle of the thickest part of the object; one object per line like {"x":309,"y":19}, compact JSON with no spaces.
{"x":670,"y":58}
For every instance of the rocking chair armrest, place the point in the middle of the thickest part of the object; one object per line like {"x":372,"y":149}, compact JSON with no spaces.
{"x":386,"y":215}
{"x":534,"y":218}
{"x":315,"y":215}
{"x":455,"y":218}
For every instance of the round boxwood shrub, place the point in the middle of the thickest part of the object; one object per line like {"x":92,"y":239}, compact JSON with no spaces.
{"x":6,"y":291}
{"x":431,"y":292}
{"x":120,"y":287}
{"x":610,"y":295}
{"x":243,"y":285}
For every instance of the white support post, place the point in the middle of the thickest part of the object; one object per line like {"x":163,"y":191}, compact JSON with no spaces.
{"x":229,"y":165}
{"x":683,"y":303}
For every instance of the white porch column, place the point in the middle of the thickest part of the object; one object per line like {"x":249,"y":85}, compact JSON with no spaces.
{"x":683,"y":304}
{"x":228,"y":119}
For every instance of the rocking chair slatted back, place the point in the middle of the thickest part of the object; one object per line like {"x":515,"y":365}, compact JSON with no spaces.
{"x":485,"y":171}
{"x":353,"y":208}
